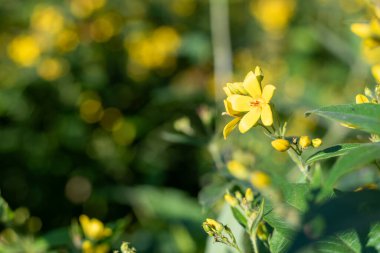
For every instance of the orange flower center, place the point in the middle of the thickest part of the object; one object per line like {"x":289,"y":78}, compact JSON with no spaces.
{"x":256,"y":102}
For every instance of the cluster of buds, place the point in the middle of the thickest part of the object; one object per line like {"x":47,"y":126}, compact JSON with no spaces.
{"x":221,"y":233}
{"x":298,"y":144}
{"x":245,"y":202}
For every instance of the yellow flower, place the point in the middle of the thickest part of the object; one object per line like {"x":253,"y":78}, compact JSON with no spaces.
{"x":304,"y":142}
{"x":237,"y":169}
{"x":280,"y":145}
{"x":316,"y":142}
{"x":260,"y":180}
{"x":24,"y":50}
{"x":376,"y":72}
{"x":88,"y":247}
{"x":230,"y":200}
{"x":255,"y":104}
{"x":94,"y":229}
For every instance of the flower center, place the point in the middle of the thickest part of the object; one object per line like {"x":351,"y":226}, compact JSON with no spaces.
{"x":256,"y":102}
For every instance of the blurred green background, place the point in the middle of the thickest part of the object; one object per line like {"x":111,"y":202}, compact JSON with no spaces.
{"x":108,"y":107}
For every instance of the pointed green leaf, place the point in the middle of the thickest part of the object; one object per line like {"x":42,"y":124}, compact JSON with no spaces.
{"x":365,"y":117}
{"x":333,"y":151}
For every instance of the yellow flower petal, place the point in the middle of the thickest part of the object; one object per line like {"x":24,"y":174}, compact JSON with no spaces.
{"x":268,"y":92}
{"x":228,"y":107}
{"x":376,"y":72}
{"x":361,"y":99}
{"x":252,"y":85}
{"x":266,"y":115}
{"x":249,"y":119}
{"x":362,"y":30}
{"x":227,"y":91}
{"x":240,"y":103}
{"x":229,"y":127}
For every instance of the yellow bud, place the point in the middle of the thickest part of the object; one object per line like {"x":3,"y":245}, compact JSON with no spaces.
{"x":237,"y":169}
{"x":281,"y":145}
{"x":259,"y":74}
{"x":238,"y":195}
{"x":260,"y":180}
{"x":230,"y":200}
{"x":249,"y":195}
{"x":305,"y":142}
{"x":316,"y":142}
{"x":361,"y":99}
{"x":214,"y":224}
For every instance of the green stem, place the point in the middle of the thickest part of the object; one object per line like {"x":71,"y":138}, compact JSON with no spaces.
{"x":254,"y":243}
{"x":269,"y":132}
{"x":297,"y":159}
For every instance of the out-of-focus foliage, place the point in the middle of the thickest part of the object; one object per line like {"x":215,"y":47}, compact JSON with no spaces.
{"x":101,"y":98}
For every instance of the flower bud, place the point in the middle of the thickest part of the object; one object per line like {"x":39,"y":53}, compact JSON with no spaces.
{"x":316,"y":142}
{"x":281,"y":145}
{"x":249,"y":195}
{"x":304,"y":142}
{"x":237,"y":169}
{"x":361,"y":99}
{"x":259,"y":74}
{"x":238,"y":195}
{"x":230,"y":200}
{"x":214,"y":224}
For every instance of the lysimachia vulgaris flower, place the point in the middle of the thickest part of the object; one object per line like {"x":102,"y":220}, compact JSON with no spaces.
{"x":247,"y":102}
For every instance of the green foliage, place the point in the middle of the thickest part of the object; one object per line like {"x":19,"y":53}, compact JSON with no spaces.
{"x":365,"y":117}
{"x":334,"y":151}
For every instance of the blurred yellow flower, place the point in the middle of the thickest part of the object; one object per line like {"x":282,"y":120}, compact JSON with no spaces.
{"x":102,"y":29}
{"x":91,"y":110}
{"x":273,"y":15}
{"x":84,"y":8}
{"x":153,"y":50}
{"x":50,"y":69}
{"x":24,"y":50}
{"x":88,"y":247}
{"x":255,"y":105}
{"x":260,"y":180}
{"x":67,"y":40}
{"x":93,"y":228}
{"x":237,"y":169}
{"x":183,"y":8}
{"x":376,"y":72}
{"x":47,"y":19}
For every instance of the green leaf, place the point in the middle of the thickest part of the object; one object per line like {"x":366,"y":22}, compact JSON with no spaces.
{"x":374,"y":237}
{"x":239,"y":216}
{"x":278,"y":243}
{"x":334,"y":151}
{"x":346,"y":242}
{"x":365,"y":117}
{"x":353,"y":159}
{"x":349,"y":211}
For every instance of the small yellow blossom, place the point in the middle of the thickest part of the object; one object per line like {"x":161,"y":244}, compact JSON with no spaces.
{"x":376,"y":72}
{"x":93,"y":228}
{"x":249,"y":195}
{"x":88,"y":247}
{"x":280,"y":145}
{"x":237,"y":169}
{"x":230,"y":200}
{"x":254,"y":105}
{"x":260,"y":180}
{"x":316,"y":142}
{"x":304,"y":142}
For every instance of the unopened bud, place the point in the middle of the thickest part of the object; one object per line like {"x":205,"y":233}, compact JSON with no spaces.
{"x":280,"y":145}
{"x":316,"y":142}
{"x":230,"y":200}
{"x":238,"y":195}
{"x":259,"y":74}
{"x":249,"y":195}
{"x":304,"y":142}
{"x":260,"y":180}
{"x":214,"y":224}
